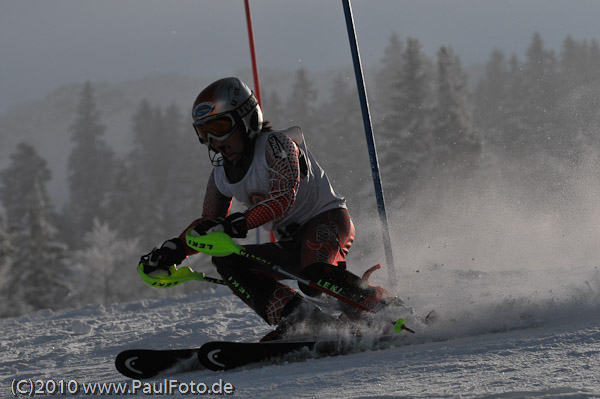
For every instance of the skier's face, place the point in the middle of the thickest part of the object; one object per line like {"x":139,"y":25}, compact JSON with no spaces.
{"x":232,"y":147}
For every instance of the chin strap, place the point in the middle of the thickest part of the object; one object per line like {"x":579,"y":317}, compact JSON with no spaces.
{"x":216,"y":159}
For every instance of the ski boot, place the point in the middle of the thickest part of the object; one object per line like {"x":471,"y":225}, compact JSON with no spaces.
{"x":373,"y":297}
{"x":301,"y":318}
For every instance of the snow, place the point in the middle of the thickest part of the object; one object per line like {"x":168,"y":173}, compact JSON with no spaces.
{"x":496,"y":338}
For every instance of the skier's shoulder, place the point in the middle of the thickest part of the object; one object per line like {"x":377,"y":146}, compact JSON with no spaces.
{"x":293,"y":133}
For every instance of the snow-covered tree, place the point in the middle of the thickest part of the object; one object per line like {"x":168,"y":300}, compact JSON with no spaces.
{"x":106,"y":267}
{"x":39,"y":277}
{"x":27,"y":168}
{"x":90,"y":169}
{"x":6,"y":245}
{"x":7,"y":252}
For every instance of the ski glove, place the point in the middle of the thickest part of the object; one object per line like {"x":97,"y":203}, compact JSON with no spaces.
{"x":234,"y":225}
{"x":159,"y":260}
{"x":207,"y":226}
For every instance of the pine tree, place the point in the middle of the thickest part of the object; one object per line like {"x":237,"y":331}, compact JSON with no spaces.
{"x":158,"y":174}
{"x":122,"y":199}
{"x":456,"y":145}
{"x":491,"y":103}
{"x":43,"y":277}
{"x":386,"y":77}
{"x":188,"y":171}
{"x":27,"y":169}
{"x":273,"y":110}
{"x":513,"y":137}
{"x":592,"y":72}
{"x":577,"y":111}
{"x":7,"y":253}
{"x":578,"y":65}
{"x":572,"y":70}
{"x":7,"y":248}
{"x":540,"y":94}
{"x":405,"y":133}
{"x":301,"y":104}
{"x":144,"y":179}
{"x":38,"y":279}
{"x":349,"y":168}
{"x":90,"y":168}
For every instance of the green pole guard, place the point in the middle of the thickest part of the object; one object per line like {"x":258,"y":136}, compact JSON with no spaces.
{"x":176,"y":277}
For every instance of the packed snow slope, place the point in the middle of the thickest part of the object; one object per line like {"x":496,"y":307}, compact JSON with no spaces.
{"x":489,"y":342}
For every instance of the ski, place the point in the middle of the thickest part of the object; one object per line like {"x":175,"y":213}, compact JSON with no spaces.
{"x":214,"y":355}
{"x":146,"y":363}
{"x":227,"y":355}
{"x":223,"y":355}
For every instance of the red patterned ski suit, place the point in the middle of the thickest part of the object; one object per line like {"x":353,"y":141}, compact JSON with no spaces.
{"x":286,"y":191}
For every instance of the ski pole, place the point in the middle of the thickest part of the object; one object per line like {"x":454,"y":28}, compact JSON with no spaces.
{"x":181,"y":275}
{"x":220,"y":244}
{"x":310,"y":283}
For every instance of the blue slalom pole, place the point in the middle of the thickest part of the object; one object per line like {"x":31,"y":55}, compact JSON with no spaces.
{"x":364,"y":104}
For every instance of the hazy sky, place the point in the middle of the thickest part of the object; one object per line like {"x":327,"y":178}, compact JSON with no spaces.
{"x":46,"y":43}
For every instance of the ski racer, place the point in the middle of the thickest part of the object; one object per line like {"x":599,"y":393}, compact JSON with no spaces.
{"x":284,"y":189}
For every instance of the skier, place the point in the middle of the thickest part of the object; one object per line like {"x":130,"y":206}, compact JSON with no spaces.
{"x":285,"y":190}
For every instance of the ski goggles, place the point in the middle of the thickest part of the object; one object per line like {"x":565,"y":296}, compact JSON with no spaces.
{"x":218,"y":128}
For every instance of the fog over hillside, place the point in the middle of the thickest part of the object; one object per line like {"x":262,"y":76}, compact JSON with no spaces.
{"x":45,"y":122}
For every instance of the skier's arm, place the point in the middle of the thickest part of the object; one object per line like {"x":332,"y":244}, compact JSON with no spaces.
{"x":175,"y":250}
{"x":216,"y":205}
{"x":284,"y":174}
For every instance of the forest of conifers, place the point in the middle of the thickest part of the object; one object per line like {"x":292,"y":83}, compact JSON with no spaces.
{"x":534,"y":118}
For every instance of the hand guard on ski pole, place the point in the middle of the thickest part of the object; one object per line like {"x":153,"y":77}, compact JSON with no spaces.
{"x":176,"y":277}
